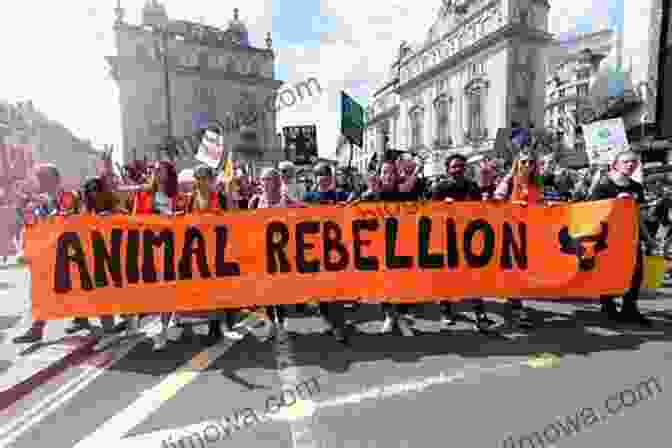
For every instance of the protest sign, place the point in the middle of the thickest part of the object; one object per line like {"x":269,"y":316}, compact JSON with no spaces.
{"x":604,"y":139}
{"x":211,"y":149}
{"x":410,"y":252}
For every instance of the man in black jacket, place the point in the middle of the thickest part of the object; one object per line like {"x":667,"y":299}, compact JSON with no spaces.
{"x":456,"y":187}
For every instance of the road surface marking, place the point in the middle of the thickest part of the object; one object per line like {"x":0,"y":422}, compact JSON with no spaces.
{"x":114,"y":429}
{"x":25,"y":422}
{"x":309,"y":408}
{"x":290,"y":374}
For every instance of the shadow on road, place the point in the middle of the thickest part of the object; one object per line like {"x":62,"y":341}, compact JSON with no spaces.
{"x":558,"y":333}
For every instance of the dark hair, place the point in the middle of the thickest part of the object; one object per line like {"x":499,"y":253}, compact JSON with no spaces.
{"x":170,"y":182}
{"x":450,"y":159}
{"x":90,"y":188}
{"x":323,"y":170}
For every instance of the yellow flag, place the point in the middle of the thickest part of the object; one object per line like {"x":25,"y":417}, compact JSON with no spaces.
{"x":227,"y":171}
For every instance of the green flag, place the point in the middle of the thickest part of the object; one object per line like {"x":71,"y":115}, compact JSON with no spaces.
{"x":352,"y":120}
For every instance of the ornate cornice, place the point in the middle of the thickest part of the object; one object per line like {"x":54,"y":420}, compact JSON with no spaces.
{"x":498,"y":37}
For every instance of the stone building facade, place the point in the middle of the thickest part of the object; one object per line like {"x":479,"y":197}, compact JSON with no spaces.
{"x":206,"y":70}
{"x":571,"y":68}
{"x":475,"y":72}
{"x":48,"y":142}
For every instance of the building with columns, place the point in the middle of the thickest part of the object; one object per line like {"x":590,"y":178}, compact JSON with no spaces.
{"x":476,"y":71}
{"x":171,"y":71}
{"x":571,"y":69}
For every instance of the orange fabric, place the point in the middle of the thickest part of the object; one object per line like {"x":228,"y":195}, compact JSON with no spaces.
{"x":472,"y":235}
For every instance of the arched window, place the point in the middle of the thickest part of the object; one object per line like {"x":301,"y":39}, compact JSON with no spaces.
{"x":475,"y":94}
{"x":416,"y":119}
{"x":442,"y":107}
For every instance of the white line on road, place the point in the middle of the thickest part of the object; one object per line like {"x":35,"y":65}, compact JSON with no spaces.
{"x":113,"y":430}
{"x":19,"y":426}
{"x":301,"y":433}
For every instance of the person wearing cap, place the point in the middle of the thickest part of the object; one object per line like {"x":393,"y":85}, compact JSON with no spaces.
{"x":290,"y":186}
{"x":326,"y":194}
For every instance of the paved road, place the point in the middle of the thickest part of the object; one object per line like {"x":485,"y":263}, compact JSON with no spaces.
{"x":438,"y":388}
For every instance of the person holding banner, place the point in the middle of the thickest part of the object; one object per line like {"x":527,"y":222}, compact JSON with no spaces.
{"x":521,"y":186}
{"x":274,"y":196}
{"x":203,"y":200}
{"x":619,"y":184}
{"x":458,"y":188}
{"x":326,"y":194}
{"x":158,"y":196}
{"x":52,"y":201}
{"x":386,"y":187}
{"x":290,"y":186}
{"x":95,"y":202}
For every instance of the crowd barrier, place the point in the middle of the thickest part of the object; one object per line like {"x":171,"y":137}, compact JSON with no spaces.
{"x":403,"y":253}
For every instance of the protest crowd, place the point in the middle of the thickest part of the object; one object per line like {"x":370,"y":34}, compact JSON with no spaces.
{"x":142,"y":187}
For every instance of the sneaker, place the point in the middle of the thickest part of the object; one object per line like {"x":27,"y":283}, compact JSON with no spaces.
{"x":31,"y":336}
{"x":403,"y":324}
{"x":483,"y":322}
{"x":161,"y":341}
{"x":635,"y":317}
{"x":233,"y":335}
{"x":78,"y":324}
{"x":388,"y":324}
{"x":339,"y":335}
{"x":448,"y":320}
{"x":250,"y":321}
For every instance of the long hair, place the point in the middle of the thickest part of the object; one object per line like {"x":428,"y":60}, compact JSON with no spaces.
{"x":168,"y":179}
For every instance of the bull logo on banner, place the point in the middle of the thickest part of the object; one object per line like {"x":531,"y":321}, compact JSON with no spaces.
{"x":585,"y":247}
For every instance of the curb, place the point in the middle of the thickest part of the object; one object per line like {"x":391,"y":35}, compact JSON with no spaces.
{"x":82,"y":348}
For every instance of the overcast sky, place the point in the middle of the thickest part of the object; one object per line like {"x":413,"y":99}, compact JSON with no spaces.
{"x":52,"y":51}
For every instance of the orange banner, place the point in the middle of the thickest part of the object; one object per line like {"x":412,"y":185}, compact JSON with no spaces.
{"x":406,"y":252}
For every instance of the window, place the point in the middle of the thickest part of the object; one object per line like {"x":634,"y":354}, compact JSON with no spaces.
{"x":582,"y":90}
{"x":416,"y":127}
{"x":561,"y":123}
{"x":562,"y":108}
{"x":475,"y":111}
{"x":442,"y":107}
{"x":561,"y":93}
{"x":582,"y":74}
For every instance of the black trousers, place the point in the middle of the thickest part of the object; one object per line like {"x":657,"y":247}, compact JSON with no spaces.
{"x":399,"y":308}
{"x":632,"y":295}
{"x":334,"y":313}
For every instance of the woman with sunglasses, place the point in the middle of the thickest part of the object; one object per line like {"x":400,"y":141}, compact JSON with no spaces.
{"x":205,"y":199}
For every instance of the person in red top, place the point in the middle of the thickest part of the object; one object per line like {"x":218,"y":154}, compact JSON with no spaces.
{"x":157,"y":196}
{"x":51,"y":202}
{"x":204,"y":199}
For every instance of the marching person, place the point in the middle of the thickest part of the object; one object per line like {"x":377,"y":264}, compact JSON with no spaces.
{"x":158,"y":196}
{"x":388,"y":187}
{"x":96,"y":199}
{"x":521,"y":186}
{"x":202,"y":200}
{"x":52,"y":201}
{"x":274,"y":196}
{"x":290,"y":186}
{"x":619,"y":184}
{"x":458,"y":188}
{"x":333,"y":312}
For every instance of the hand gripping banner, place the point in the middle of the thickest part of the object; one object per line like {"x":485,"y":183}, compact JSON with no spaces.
{"x":394,"y":252}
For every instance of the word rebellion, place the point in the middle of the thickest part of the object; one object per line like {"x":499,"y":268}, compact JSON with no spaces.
{"x":337,"y":254}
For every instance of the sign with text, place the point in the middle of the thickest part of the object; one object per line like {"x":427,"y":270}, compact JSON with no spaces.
{"x":604,"y":139}
{"x":211,"y":149}
{"x":394,"y":252}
